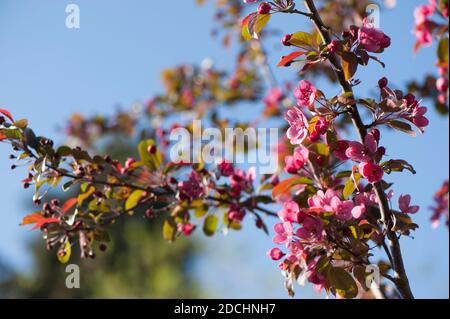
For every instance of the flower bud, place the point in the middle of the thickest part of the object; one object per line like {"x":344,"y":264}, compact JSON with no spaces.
{"x":383,"y":82}
{"x":442,"y":84}
{"x":286,"y":39}
{"x":264,"y":8}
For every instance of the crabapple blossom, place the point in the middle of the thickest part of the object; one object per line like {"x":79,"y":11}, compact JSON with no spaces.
{"x":275,"y":254}
{"x":320,"y":128}
{"x":291,"y":212}
{"x":371,"y":171}
{"x":373,"y":40}
{"x":298,"y":123}
{"x":192,"y":188}
{"x":225,"y":168}
{"x":312,"y":229}
{"x":441,"y":206}
{"x":305,"y":93}
{"x":296,"y":162}
{"x":404,"y":202}
{"x":284,"y":233}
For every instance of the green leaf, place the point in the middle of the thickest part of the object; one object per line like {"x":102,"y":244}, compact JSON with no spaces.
{"x":133,"y":200}
{"x":169,"y":230}
{"x":342,"y":282}
{"x":396,"y":165}
{"x":443,"y":50}
{"x":349,"y":188}
{"x":67,"y":185}
{"x":210,"y":225}
{"x":12,"y":133}
{"x":245,"y":23}
{"x":349,"y":64}
{"x":261,"y":22}
{"x":402,"y":126}
{"x":301,"y":39}
{"x":64,"y":252}
{"x":352,"y":184}
{"x":152,"y":161}
{"x":21,"y":123}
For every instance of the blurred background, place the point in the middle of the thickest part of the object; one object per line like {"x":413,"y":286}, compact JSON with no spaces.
{"x":48,"y":72}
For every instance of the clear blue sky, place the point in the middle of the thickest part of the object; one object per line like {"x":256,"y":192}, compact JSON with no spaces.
{"x":47,"y":72}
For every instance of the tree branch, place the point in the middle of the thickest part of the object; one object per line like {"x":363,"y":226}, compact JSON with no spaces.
{"x":400,"y":277}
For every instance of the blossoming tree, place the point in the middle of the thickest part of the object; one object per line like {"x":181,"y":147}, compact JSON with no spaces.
{"x":335,"y":202}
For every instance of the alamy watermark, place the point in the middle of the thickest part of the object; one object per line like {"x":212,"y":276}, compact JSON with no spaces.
{"x":73,"y":277}
{"x":373,"y":15}
{"x":73,"y":16}
{"x":256,"y":146}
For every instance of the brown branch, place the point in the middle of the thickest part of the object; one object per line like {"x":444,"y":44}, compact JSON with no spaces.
{"x":400,"y":277}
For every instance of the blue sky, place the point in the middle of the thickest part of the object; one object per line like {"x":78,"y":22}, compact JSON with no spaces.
{"x":48,"y":72}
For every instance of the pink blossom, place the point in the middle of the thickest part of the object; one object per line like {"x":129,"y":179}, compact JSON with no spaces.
{"x":442,"y":84}
{"x":421,"y":13}
{"x":226,"y":168}
{"x":312,"y":229}
{"x":441,"y":208}
{"x":333,"y":46}
{"x":291,"y":212}
{"x":404,"y":202}
{"x":418,"y":118}
{"x":192,"y":188}
{"x":363,"y":153}
{"x":371,"y":171}
{"x":296,"y":162}
{"x":320,"y":128}
{"x":241,"y":180}
{"x":341,"y":149}
{"x":322,"y":200}
{"x":273,"y":97}
{"x":275,"y":254}
{"x":305,"y":93}
{"x":296,"y":248}
{"x":373,"y":40}
{"x":298,"y":122}
{"x":236,"y":213}
{"x":358,"y":211}
{"x":423,"y":34}
{"x":285,"y":233}
{"x":314,"y":277}
{"x":342,"y":209}
{"x":186,"y":229}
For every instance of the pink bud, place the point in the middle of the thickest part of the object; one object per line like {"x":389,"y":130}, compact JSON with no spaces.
{"x":275,"y":254}
{"x":264,"y":8}
{"x":286,"y":39}
{"x":383,"y":82}
{"x":442,"y":84}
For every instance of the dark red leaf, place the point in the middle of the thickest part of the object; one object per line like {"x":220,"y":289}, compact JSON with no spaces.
{"x":289,"y":58}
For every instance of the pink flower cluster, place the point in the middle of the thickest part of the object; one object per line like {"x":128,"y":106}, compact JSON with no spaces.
{"x":424,"y":26}
{"x":192,"y":188}
{"x":273,"y":98}
{"x":415,"y":113}
{"x":441,"y":208}
{"x":366,"y":154}
{"x":305,"y":93}
{"x":373,"y":40}
{"x":294,"y":163}
{"x":301,"y":231}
